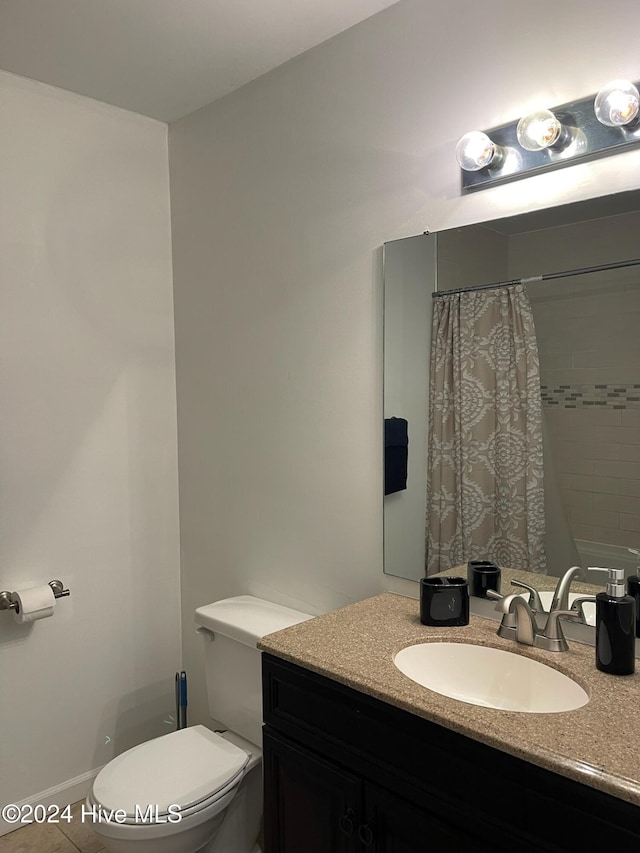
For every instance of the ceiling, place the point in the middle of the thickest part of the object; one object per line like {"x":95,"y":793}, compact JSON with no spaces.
{"x":164,"y":58}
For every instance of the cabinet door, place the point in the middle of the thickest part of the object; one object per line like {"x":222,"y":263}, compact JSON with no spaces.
{"x":310,"y":806}
{"x":396,"y":826}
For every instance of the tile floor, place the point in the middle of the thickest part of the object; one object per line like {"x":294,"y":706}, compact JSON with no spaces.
{"x":73,"y":837}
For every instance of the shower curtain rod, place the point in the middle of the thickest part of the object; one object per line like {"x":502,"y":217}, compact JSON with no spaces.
{"x":546,"y":277}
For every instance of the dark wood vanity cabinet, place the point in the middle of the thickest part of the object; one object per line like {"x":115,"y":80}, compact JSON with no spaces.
{"x":314,"y":807}
{"x":347,"y":773}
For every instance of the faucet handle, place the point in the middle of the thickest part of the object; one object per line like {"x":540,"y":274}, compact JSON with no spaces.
{"x":508,"y":624}
{"x":552,"y":639}
{"x":526,"y":628}
{"x":578,"y":605}
{"x":534,"y":596}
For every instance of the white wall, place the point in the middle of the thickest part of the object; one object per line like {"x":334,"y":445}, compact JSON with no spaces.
{"x":282,"y":195}
{"x":88,"y":469}
{"x":409,"y":280}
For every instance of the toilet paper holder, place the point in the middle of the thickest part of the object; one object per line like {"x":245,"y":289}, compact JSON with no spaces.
{"x":7,"y":602}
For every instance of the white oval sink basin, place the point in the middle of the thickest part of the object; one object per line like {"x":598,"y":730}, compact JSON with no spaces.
{"x":589,"y":607}
{"x":493,"y":678}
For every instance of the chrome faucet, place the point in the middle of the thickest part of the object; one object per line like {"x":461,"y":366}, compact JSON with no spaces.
{"x":560,"y":600}
{"x":519,"y":624}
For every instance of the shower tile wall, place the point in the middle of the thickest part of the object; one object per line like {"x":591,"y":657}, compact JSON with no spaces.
{"x":589,"y":342}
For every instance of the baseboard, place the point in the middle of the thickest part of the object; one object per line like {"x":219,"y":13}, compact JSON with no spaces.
{"x":60,"y":795}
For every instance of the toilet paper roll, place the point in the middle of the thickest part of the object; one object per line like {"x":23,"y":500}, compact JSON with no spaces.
{"x":34,"y":603}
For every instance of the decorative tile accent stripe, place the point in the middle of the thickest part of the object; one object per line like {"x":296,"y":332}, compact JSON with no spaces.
{"x":611,"y":396}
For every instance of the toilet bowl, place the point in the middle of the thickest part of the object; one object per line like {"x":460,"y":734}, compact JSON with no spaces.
{"x":195,"y":790}
{"x":174,"y":794}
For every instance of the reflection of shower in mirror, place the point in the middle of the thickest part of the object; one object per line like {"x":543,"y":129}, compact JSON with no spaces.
{"x":589,"y":349}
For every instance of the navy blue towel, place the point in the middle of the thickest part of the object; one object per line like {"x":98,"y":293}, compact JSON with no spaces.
{"x":396,"y":453}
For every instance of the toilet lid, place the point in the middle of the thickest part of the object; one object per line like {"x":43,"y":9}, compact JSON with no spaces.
{"x":181,"y":768}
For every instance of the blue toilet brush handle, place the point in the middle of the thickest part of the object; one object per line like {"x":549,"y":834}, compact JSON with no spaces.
{"x":183,"y":699}
{"x":177,"y":701}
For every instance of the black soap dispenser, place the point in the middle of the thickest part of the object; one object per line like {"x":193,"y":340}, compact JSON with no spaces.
{"x":615,"y":626}
{"x":633,"y":588}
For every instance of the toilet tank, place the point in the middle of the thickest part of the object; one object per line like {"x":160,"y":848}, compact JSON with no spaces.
{"x":231,"y":629}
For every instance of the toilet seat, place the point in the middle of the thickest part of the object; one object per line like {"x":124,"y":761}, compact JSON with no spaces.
{"x":191,"y":768}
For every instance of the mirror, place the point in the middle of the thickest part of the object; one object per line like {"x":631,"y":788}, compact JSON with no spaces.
{"x":588,"y":336}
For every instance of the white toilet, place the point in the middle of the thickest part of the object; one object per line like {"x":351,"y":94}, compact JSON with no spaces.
{"x":212,"y":782}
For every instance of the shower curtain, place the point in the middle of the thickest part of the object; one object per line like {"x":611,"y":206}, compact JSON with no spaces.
{"x":485,"y":491}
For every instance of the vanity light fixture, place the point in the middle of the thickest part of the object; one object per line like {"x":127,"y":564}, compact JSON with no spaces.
{"x":476,"y":151}
{"x":592,"y":127}
{"x":539,"y":130}
{"x":617,"y":103}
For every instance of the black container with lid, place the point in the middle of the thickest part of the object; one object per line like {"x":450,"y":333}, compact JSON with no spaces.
{"x":444,"y":601}
{"x":483,"y":575}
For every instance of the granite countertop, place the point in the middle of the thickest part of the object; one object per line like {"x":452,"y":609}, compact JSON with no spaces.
{"x":595,"y":745}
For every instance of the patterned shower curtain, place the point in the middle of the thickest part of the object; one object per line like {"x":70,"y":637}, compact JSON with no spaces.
{"x":485,"y":496}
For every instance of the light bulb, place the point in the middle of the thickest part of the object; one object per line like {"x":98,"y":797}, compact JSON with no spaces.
{"x":538,"y":130}
{"x":475,"y":151}
{"x":617,"y":103}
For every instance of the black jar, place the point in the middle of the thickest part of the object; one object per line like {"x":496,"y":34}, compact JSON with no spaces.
{"x":483,"y":575}
{"x":444,"y":601}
